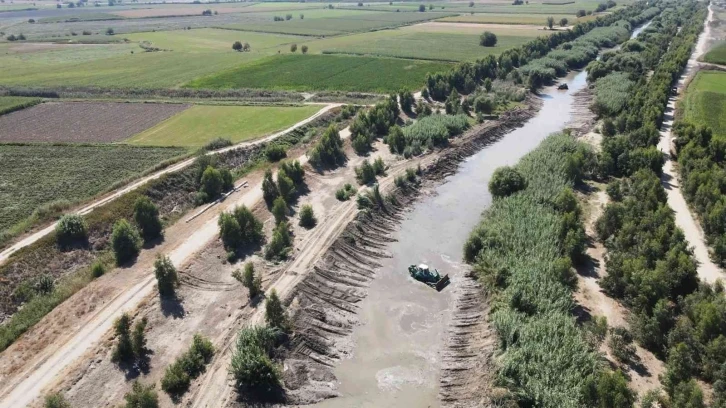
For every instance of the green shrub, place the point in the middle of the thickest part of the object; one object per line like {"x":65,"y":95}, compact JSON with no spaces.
{"x":187,"y":367}
{"x":56,"y":400}
{"x":280,"y":243}
{"x":218,"y":143}
{"x":123,"y":352}
{"x":141,"y":396}
{"x":346,"y":192}
{"x":365,"y":173}
{"x":251,"y":365}
{"x":98,"y":269}
{"x":275,"y":314}
{"x":396,"y":141}
{"x":212,"y":183}
{"x":488,"y":39}
{"x":166,"y":276}
{"x":275,"y":152}
{"x":328,"y":152}
{"x":252,"y":282}
{"x":285,"y":187}
{"x":71,"y":228}
{"x":239,"y":229}
{"x":435,"y":130}
{"x":125,"y":240}
{"x":293,"y":170}
{"x":307,"y":216}
{"x":146,"y":215}
{"x":506,"y":181}
{"x":269,"y":188}
{"x":280,"y":210}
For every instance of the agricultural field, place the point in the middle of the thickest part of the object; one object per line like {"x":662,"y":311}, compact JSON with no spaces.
{"x":13,"y":103}
{"x":200,"y":124}
{"x":705,"y":101}
{"x":209,"y":39}
{"x":539,"y":7}
{"x":526,"y":19}
{"x":37,"y":175}
{"x":716,"y":55}
{"x":432,"y":41}
{"x":325,"y":72}
{"x":83,"y":122}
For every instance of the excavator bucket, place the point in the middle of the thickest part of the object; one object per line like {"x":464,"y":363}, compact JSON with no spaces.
{"x":442,"y":283}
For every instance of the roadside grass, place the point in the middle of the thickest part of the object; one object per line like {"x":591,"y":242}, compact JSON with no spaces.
{"x":705,"y":101}
{"x":503,"y":18}
{"x":13,"y":103}
{"x":447,"y":44}
{"x":37,"y":175}
{"x":716,"y":55}
{"x":325,"y":72}
{"x":199,"y":124}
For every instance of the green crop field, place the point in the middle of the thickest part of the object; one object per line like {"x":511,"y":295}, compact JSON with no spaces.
{"x":325,"y":72}
{"x":533,"y":7}
{"x":705,"y":101}
{"x":526,"y":19}
{"x":716,"y":55}
{"x":13,"y":103}
{"x":433,"y":41}
{"x":198,"y":125}
{"x":36,"y":175}
{"x":208,"y":39}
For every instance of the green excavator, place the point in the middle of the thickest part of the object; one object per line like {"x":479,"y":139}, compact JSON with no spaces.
{"x":431,"y":277}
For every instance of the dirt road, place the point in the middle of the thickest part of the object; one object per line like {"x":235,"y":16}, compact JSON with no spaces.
{"x":34,"y":237}
{"x":707,"y":270}
{"x":24,"y":387}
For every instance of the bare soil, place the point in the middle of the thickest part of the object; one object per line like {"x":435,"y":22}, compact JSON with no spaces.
{"x":83,"y":122}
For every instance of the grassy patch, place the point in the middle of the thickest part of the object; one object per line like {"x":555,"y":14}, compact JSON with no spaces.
{"x":36,"y":175}
{"x":13,"y":103}
{"x":412,"y":42}
{"x":200,"y":124}
{"x":717,"y":55}
{"x":325,"y":72}
{"x":210,"y":39}
{"x":705,"y":101}
{"x":508,"y":18}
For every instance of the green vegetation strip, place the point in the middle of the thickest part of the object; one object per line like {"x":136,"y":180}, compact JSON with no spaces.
{"x":199,"y":125}
{"x":324,"y":72}
{"x":13,"y":103}
{"x":717,"y":54}
{"x":523,"y":252}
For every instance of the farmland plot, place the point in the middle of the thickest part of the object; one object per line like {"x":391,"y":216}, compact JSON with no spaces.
{"x":705,"y":101}
{"x":83,"y":122}
{"x":13,"y":103}
{"x":325,"y":72}
{"x":201,"y":124}
{"x":36,"y":175}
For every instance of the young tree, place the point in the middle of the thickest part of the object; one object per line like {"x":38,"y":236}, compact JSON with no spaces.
{"x":252,"y":282}
{"x":70,"y":228}
{"x":269,"y":188}
{"x":304,"y":49}
{"x":212,"y":182}
{"x":285,"y":186}
{"x":251,"y":365}
{"x":166,"y":276}
{"x":146,"y":215}
{"x":124,"y":351}
{"x":280,"y":242}
{"x":307,"y":216}
{"x":550,"y":22}
{"x":237,"y":46}
{"x":488,"y":39}
{"x":109,"y":31}
{"x":142,"y":396}
{"x":293,"y":47}
{"x":275,"y":314}
{"x":563,"y":22}
{"x":396,"y":140}
{"x":229,"y":231}
{"x":406,"y":98}
{"x":138,"y":339}
{"x":125,"y":240}
{"x":250,"y":226}
{"x":488,"y":84}
{"x":280,"y":210}
{"x":421,"y":8}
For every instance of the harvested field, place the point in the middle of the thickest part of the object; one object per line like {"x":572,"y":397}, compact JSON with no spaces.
{"x":36,"y":175}
{"x":83,"y":122}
